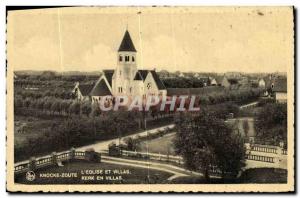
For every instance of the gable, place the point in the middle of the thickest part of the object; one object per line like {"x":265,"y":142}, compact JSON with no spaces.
{"x":157,"y":80}
{"x":141,"y":74}
{"x":108,"y":75}
{"x":100,"y":89}
{"x":85,"y":89}
{"x":127,"y":44}
{"x":138,"y":76}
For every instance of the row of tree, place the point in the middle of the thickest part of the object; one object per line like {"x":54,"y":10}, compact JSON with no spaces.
{"x":237,"y":96}
{"x":56,"y":106}
{"x":57,"y":92}
{"x":185,"y":82}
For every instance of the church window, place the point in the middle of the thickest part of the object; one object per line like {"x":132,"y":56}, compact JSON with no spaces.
{"x":120,"y":89}
{"x":120,"y":58}
{"x":126,"y":58}
{"x":132,"y":59}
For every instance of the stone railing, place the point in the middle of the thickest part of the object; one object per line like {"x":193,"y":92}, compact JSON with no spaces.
{"x":153,"y":156}
{"x":260,"y":158}
{"x":55,"y":159}
{"x":213,"y":169}
{"x":284,"y":152}
{"x":264,"y":148}
{"x":258,"y":155}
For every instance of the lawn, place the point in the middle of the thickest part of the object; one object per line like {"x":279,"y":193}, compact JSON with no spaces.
{"x":119,"y":174}
{"x":258,"y":175}
{"x":162,"y":145}
{"x":27,"y":127}
{"x":264,"y":175}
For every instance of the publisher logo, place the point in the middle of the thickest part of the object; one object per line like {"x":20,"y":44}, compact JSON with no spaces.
{"x":30,"y":175}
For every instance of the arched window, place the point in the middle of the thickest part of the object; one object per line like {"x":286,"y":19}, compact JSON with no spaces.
{"x":132,"y":59}
{"x":120,"y":58}
{"x":126,"y":58}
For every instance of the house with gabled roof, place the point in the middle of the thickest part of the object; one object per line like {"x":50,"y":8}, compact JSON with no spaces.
{"x":220,"y":81}
{"x":279,"y":90}
{"x":126,"y":79}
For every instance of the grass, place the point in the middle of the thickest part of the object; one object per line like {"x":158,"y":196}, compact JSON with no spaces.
{"x":162,"y":145}
{"x":264,"y":175}
{"x":258,"y":175}
{"x":129,"y":175}
{"x":27,"y":127}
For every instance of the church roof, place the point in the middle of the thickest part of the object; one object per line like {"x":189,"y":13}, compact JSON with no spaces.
{"x":127,"y":44}
{"x":157,"y":80}
{"x":141,"y":74}
{"x":108,"y":74}
{"x":100,"y":89}
{"x":85,"y":89}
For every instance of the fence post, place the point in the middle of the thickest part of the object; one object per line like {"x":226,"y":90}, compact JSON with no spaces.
{"x":32,"y":164}
{"x":54,"y":158}
{"x":72,"y":153}
{"x":248,"y":148}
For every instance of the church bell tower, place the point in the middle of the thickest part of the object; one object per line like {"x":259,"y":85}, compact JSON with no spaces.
{"x":123,"y":83}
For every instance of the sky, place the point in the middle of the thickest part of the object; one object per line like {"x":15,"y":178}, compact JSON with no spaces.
{"x":199,"y":39}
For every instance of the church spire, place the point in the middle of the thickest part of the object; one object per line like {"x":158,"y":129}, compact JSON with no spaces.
{"x":127,"y":44}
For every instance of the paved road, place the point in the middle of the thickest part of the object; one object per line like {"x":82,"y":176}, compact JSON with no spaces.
{"x":249,"y":105}
{"x":103,"y":145}
{"x":176,"y":171}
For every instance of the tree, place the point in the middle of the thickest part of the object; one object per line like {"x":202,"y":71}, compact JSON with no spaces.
{"x":40,"y":104}
{"x":205,"y":141}
{"x":55,"y":107}
{"x":65,"y":104}
{"x":18,"y":102}
{"x":246,"y":127}
{"x":75,"y":108}
{"x":27,"y":102}
{"x":48,"y":103}
{"x":132,"y":144}
{"x":271,"y":123}
{"x":86,"y":108}
{"x":96,"y":111}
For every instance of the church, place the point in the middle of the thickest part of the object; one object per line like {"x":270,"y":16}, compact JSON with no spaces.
{"x":125,"y":80}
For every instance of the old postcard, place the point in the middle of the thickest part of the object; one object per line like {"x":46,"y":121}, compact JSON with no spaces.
{"x":150,"y":99}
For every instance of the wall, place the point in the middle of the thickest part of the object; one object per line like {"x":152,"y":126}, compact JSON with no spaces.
{"x":281,"y":97}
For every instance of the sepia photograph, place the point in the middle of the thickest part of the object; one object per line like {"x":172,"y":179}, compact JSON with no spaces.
{"x":150,"y":99}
